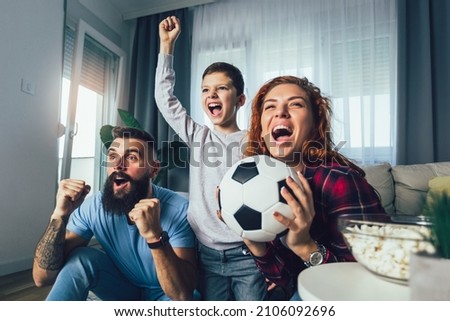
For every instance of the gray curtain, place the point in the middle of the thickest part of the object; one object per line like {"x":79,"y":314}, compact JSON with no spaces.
{"x":142,"y":81}
{"x":423,"y":81}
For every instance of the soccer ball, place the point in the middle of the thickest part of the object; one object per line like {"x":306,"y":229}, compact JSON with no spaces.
{"x":249,"y":194}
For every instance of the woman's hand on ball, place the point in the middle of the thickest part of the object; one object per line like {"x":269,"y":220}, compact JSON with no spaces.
{"x":302,"y":205}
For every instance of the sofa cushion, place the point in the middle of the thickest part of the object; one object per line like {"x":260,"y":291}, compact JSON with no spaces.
{"x":411,"y":185}
{"x":439,"y":184}
{"x":379,"y":176}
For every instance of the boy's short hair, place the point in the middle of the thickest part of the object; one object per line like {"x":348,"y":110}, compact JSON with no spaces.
{"x":231,"y":71}
{"x":131,"y":132}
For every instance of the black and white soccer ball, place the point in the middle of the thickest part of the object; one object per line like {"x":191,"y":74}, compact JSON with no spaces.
{"x":249,"y":194}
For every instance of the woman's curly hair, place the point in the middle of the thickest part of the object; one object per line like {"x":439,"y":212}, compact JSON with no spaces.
{"x":319,"y":147}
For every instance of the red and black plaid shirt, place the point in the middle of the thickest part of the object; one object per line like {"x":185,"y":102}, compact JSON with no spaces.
{"x":337,"y":190}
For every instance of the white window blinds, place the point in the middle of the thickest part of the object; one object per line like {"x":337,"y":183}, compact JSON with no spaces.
{"x":94,"y":64}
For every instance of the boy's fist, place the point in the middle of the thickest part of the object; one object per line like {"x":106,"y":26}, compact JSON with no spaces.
{"x":169,"y":29}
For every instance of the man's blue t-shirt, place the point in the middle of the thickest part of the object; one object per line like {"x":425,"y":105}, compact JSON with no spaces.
{"x":123,"y":243}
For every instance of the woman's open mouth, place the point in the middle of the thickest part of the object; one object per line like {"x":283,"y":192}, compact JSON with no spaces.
{"x":282,"y":133}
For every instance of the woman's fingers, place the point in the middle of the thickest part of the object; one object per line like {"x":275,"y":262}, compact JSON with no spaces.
{"x":294,"y":195}
{"x":299,"y":197}
{"x":305,"y":184}
{"x":282,"y":219}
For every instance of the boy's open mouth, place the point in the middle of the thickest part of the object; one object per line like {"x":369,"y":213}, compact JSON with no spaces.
{"x":215,"y":109}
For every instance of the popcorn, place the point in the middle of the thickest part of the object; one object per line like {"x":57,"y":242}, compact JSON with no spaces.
{"x":385,"y":249}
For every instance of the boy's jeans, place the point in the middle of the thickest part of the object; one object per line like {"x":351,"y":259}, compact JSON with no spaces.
{"x":229,"y":275}
{"x":88,"y":269}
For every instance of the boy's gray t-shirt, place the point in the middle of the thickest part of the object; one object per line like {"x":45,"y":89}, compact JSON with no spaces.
{"x":211,"y":154}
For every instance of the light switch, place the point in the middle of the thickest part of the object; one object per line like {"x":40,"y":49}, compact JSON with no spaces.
{"x":28,"y":87}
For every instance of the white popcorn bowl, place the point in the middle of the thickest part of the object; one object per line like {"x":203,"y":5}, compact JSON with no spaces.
{"x":383,"y":244}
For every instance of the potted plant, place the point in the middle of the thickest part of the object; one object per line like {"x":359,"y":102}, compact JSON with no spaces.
{"x":167,"y":154}
{"x":106,"y":130}
{"x":430,"y":274}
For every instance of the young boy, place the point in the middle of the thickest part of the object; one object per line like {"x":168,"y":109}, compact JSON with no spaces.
{"x":227,"y":271}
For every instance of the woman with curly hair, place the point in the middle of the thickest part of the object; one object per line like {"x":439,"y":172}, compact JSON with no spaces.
{"x":291,"y":121}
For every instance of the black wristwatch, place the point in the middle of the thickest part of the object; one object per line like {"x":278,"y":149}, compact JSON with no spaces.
{"x":317,"y":257}
{"x":163,"y":240}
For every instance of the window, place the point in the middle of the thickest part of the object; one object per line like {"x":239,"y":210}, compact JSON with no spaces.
{"x":345,"y":47}
{"x":95,"y":72}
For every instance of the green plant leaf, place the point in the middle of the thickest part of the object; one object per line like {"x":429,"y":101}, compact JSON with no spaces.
{"x":106,"y":135}
{"x":129,"y":119}
{"x":106,"y":130}
{"x":438,"y":208}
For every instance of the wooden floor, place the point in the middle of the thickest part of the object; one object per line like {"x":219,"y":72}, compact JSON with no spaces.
{"x":20,"y":287}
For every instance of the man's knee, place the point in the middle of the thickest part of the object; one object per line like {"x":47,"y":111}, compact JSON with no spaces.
{"x":84,"y":260}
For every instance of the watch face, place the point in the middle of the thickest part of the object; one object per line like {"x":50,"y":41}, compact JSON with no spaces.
{"x":316,"y":258}
{"x":164,"y":237}
{"x":163,"y":240}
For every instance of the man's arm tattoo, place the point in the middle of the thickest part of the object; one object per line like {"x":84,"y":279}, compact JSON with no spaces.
{"x":50,"y":249}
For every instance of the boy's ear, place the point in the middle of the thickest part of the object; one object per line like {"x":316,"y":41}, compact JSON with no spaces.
{"x":241,"y":101}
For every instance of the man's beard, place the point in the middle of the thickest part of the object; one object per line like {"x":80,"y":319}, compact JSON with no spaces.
{"x":122,"y":202}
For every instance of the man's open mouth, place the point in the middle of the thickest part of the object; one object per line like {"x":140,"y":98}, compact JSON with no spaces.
{"x":120,"y":180}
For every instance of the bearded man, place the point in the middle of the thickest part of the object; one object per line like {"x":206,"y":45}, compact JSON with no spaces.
{"x":147,"y":244}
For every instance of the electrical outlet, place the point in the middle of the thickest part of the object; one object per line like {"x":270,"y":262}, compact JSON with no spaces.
{"x":28,"y":87}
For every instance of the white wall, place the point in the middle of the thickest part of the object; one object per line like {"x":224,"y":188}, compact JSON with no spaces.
{"x":106,"y":12}
{"x":32,"y":48}
{"x":31,"y":42}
